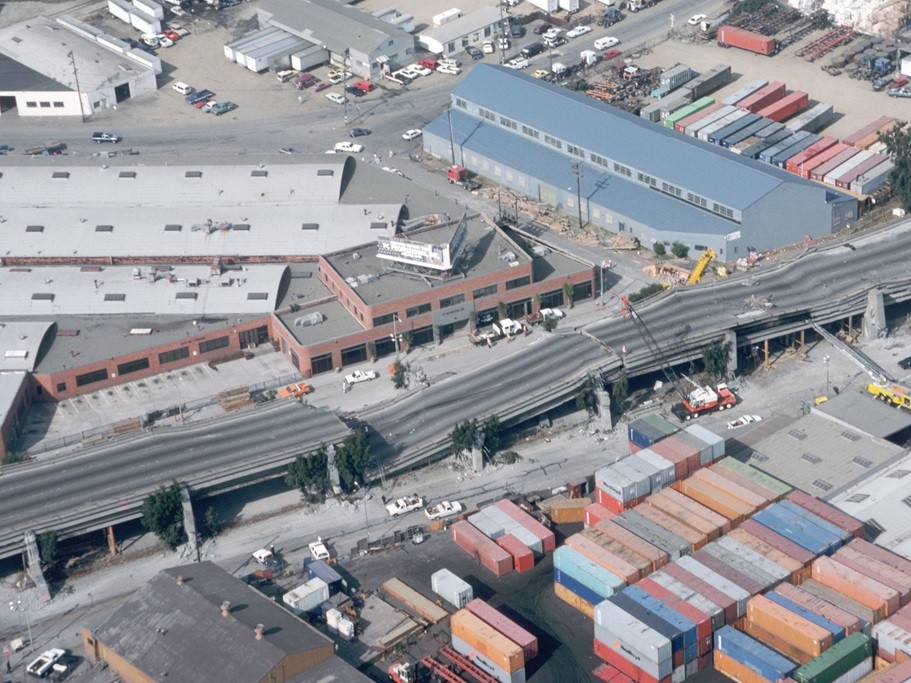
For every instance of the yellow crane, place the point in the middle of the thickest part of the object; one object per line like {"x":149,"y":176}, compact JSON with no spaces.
{"x":696,"y":275}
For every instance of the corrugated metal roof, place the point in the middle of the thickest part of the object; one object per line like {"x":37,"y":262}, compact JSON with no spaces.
{"x":699,"y":167}
{"x":651,"y":208}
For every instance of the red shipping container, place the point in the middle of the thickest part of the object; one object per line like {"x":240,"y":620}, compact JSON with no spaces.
{"x":897,"y":673}
{"x":778,"y":541}
{"x":876,"y":570}
{"x":786,"y":107}
{"x":807,"y":167}
{"x":605,"y":652}
{"x":763,"y":97}
{"x":881,"y":554}
{"x":476,"y":544}
{"x":523,"y":558}
{"x":828,"y":512}
{"x":506,"y":626}
{"x":631,"y":557}
{"x":872,"y":594}
{"x":633,"y":448}
{"x":681,"y":125}
{"x":726,"y":602}
{"x":876,"y":125}
{"x":703,"y":621}
{"x":683,"y":448}
{"x":849,"y":622}
{"x":793,"y":164}
{"x":548,"y":540}
{"x":685,"y":501}
{"x":640,"y":546}
{"x":746,"y":40}
{"x":596,"y":512}
{"x":727,"y":571}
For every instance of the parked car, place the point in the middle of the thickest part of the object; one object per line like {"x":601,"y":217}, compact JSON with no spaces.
{"x":517,"y":30}
{"x":358,"y":132}
{"x":360,"y":376}
{"x":105,"y":137}
{"x":318,"y":550}
{"x":5,"y":148}
{"x":412,"y":134}
{"x":420,"y":69}
{"x":541,"y":29}
{"x":353,"y":91}
{"x":578,"y":31}
{"x":322,"y":85}
{"x":905,"y":363}
{"x":348,"y":146}
{"x":42,"y":666}
{"x":450,"y":70}
{"x":164,"y":41}
{"x":335,"y":97}
{"x":223,"y":108}
{"x":532,"y":50}
{"x":541,"y":73}
{"x":474,"y":52}
{"x":404,"y":505}
{"x":294,"y":390}
{"x":553,"y":32}
{"x":518,"y":63}
{"x":178,"y":11}
{"x":288,"y":150}
{"x":695,"y":20}
{"x":552,"y":313}
{"x":172,"y":35}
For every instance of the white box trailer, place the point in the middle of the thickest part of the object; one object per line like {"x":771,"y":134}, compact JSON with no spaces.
{"x":546,"y":5}
{"x":150,"y":7}
{"x":145,"y":24}
{"x":120,"y":9}
{"x":309,"y":58}
{"x":308,"y":597}
{"x":568,"y":5}
{"x":451,"y":588}
{"x":446,"y":17}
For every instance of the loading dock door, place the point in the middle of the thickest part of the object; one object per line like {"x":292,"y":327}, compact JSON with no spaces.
{"x":122,"y":92}
{"x":548,"y":195}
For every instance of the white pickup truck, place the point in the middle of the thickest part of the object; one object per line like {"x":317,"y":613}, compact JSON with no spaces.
{"x":43,"y":665}
{"x":360,"y":376}
{"x":403,"y":505}
{"x":446,"y":508}
{"x":318,"y":550}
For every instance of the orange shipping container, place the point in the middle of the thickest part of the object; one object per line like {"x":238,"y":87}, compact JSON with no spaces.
{"x":732,"y":488}
{"x":629,"y":556}
{"x":486,"y":640}
{"x":691,"y":519}
{"x":656,"y":556}
{"x":776,"y":642}
{"x":625,"y":571}
{"x":734,"y":670}
{"x":596,"y":512}
{"x":869,"y":593}
{"x":567,"y":596}
{"x":797,"y":630}
{"x":892,"y":578}
{"x":673,"y":525}
{"x":751,"y":485}
{"x":798,"y":570}
{"x":567,"y":510}
{"x":720,"y":521}
{"x":716,"y":499}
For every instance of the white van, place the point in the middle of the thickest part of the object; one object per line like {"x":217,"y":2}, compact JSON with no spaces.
{"x":604,"y":43}
{"x":182,"y":88}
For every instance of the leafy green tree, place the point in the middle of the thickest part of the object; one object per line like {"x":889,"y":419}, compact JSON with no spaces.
{"x":715,"y":358}
{"x":310,"y":474}
{"x":568,"y":293}
{"x":48,"y":551}
{"x":587,"y":398}
{"x":491,"y":429}
{"x":162,"y":514}
{"x":399,"y":375}
{"x":462,"y":436}
{"x":351,"y":460}
{"x":620,"y":391}
{"x":645,"y":292}
{"x":549,"y":323}
{"x":407,"y":338}
{"x":502,"y":310}
{"x":211,"y":524}
{"x":680,"y":250}
{"x":12,"y":458}
{"x":371,"y":349}
{"x":898,"y":145}
{"x":660,"y":249}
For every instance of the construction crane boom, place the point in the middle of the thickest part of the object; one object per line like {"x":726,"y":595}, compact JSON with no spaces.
{"x":862,"y":360}
{"x":696,"y":275}
{"x":653,"y":346}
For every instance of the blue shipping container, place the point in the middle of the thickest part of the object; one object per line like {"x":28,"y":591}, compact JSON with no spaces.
{"x":650,"y":619}
{"x":670,"y":615}
{"x":783,"y":522}
{"x":753,"y":654}
{"x":591,"y":575}
{"x":321,"y":570}
{"x":570,"y":584}
{"x":815,"y":519}
{"x":837,"y":632}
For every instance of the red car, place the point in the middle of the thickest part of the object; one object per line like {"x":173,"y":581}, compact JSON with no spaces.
{"x":322,"y":86}
{"x":171,"y":35}
{"x":202,"y":103}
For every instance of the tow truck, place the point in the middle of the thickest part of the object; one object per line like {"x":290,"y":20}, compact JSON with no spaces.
{"x":446,"y":508}
{"x":405,"y":505}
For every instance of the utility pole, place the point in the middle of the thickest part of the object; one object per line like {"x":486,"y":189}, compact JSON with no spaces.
{"x":451,"y":141}
{"x":577,"y":171}
{"x":345,"y":82}
{"x":76,"y":77}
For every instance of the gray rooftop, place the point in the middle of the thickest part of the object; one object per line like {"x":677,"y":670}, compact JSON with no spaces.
{"x":486,"y":251}
{"x":190,"y":290}
{"x":177,"y":632}
{"x":21,"y":343}
{"x":10,"y":384}
{"x":44,"y":45}
{"x":821,"y":456}
{"x":861,"y":411}
{"x":337,"y":323}
{"x":329,"y":23}
{"x":698,"y":166}
{"x":17,"y":77}
{"x":881,"y":501}
{"x":269,"y":205}
{"x":467,"y":23}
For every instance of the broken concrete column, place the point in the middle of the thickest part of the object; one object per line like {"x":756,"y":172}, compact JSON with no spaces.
{"x":189,"y":521}
{"x":875,"y":316}
{"x":34,"y":566}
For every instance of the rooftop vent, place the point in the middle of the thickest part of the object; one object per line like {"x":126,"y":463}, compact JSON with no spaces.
{"x":193,"y":174}
{"x":127,"y":174}
{"x":258,"y":631}
{"x":42,"y":296}
{"x":309,"y":226}
{"x":226,"y":608}
{"x":259,"y":174}
{"x":257,"y":296}
{"x":180,"y":579}
{"x":114,"y":296}
{"x":309,"y":319}
{"x":325,"y":171}
{"x":378,"y":225}
{"x":186,"y":295}
{"x":60,"y":174}
{"x":34,"y":228}
{"x":104,"y":228}
{"x":173,"y":227}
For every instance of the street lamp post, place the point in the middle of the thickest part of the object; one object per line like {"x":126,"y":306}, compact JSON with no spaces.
{"x":395,"y":336}
{"x":366,"y":520}
{"x":825,"y":361}
{"x":14,"y":606}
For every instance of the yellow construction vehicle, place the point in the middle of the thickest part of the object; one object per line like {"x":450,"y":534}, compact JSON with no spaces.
{"x":696,"y":275}
{"x":891,"y":393}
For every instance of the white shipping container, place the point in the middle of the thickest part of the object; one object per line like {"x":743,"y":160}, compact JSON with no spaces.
{"x":546,"y":5}
{"x":709,"y":437}
{"x":451,"y":588}
{"x":890,"y":638}
{"x":624,"y":626}
{"x":346,"y":628}
{"x":446,"y":17}
{"x":487,"y":526}
{"x":715,"y":579}
{"x":678,"y":675}
{"x":568,"y":5}
{"x":634,"y":650}
{"x":666,"y":469}
{"x":307,"y":597}
{"x":621,"y":487}
{"x":120,"y":12}
{"x":857,"y":672}
{"x":654,"y":474}
{"x":643,"y":485}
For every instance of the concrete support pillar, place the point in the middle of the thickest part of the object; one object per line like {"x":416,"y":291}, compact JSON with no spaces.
{"x":189,"y":521}
{"x":730,"y":337}
{"x":112,"y":540}
{"x":803,"y":343}
{"x":875,"y":316}
{"x":333,"y":468}
{"x":607,"y":420}
{"x":477,"y":452}
{"x":765,"y":354}
{"x":34,"y":566}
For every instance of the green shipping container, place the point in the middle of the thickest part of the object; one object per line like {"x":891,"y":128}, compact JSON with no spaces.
{"x":837,"y":660}
{"x":761,"y":478}
{"x":661,"y":424}
{"x":689,"y":109}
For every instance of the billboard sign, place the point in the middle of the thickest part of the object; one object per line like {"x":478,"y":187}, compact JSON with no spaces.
{"x":436,"y":256}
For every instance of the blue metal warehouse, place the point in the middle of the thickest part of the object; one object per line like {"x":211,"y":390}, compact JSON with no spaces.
{"x":635,"y":177}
